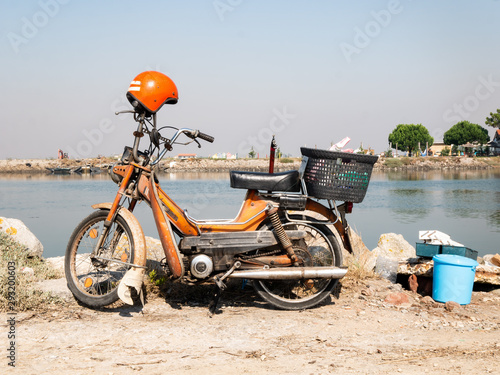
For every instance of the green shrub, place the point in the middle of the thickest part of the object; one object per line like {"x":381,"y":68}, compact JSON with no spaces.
{"x":27,"y":297}
{"x":155,"y":279}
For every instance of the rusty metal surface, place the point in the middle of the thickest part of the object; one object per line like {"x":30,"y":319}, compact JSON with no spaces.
{"x":327,"y":213}
{"x":424,"y":267}
{"x":137,"y":232}
{"x":166,"y":236}
{"x":251,"y":215}
{"x":123,"y":186}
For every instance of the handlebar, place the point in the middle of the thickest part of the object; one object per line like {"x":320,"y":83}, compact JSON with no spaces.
{"x":193,"y":134}
{"x":190,"y":133}
{"x":206,"y":137}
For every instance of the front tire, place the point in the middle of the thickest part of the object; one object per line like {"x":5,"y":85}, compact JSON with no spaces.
{"x":93,"y":274}
{"x":318,"y":248}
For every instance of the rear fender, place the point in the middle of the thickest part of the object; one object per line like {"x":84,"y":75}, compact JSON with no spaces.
{"x":341,"y":227}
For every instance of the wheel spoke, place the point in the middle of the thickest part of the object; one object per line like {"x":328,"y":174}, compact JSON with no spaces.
{"x":93,"y":280}
{"x":315,"y":249}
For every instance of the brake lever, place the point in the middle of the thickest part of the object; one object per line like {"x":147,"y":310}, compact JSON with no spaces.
{"x":193,"y":137}
{"x":126,"y":111}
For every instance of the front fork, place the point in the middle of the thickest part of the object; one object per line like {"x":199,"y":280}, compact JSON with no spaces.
{"x":133,"y":278}
{"x":113,"y":211}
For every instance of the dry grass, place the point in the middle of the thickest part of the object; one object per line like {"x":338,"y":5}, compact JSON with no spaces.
{"x":493,"y":161}
{"x":393,"y":163}
{"x":406,"y":160}
{"x":28,"y":270}
{"x":399,"y":161}
{"x":357,"y":271}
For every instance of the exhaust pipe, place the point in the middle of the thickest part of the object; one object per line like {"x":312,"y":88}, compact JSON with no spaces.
{"x":291,"y":273}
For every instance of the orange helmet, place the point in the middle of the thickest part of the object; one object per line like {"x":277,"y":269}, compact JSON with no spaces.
{"x":150,"y":90}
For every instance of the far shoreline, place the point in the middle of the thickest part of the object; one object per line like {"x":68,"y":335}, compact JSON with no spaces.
{"x":43,"y":166}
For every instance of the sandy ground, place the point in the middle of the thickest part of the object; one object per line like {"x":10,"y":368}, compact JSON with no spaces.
{"x":357,"y":332}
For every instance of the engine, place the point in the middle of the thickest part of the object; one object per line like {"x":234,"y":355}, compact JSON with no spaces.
{"x":201,"y":266}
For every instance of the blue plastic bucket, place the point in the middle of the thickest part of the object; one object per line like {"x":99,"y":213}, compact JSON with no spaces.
{"x":453,"y":278}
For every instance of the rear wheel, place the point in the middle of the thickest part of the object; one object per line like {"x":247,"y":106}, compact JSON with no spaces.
{"x":93,"y":274}
{"x":319,"y":248}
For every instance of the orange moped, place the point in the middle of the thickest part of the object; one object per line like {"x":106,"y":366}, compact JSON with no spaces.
{"x":282,"y":238}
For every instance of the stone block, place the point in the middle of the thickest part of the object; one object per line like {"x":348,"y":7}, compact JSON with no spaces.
{"x":394,"y":246}
{"x":495,"y":259}
{"x":21,"y":234}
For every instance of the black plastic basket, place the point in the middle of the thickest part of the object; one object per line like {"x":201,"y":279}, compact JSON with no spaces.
{"x":339,"y":176}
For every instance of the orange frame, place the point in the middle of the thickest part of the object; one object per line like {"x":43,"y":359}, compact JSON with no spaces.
{"x":252,"y":213}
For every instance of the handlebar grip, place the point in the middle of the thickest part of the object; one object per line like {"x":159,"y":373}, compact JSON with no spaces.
{"x":206,"y":137}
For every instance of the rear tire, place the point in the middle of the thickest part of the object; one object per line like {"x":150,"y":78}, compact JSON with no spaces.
{"x":94,"y":282}
{"x":318,"y":248}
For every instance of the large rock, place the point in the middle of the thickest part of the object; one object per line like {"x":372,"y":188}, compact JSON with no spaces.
{"x":361,"y":257}
{"x":357,"y":244}
{"x":20,"y":233}
{"x":368,"y":259}
{"x":394,"y":246}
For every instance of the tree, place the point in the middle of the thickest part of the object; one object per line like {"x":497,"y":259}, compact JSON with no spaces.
{"x":464,"y":132}
{"x":251,"y":154}
{"x":445,"y":151}
{"x":494,"y":119}
{"x":408,"y":136}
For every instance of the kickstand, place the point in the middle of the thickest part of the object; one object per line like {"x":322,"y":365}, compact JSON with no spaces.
{"x":212,"y":307}
{"x":219,"y":287}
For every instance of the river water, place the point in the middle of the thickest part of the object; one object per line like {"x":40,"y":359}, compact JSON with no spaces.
{"x":465,"y":204}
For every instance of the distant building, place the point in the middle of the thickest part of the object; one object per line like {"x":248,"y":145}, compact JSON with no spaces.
{"x":224,"y":155}
{"x":494,"y":144}
{"x":437,"y":147}
{"x":186,"y":156}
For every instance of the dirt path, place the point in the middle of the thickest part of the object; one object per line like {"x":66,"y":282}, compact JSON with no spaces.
{"x":356,"y":333}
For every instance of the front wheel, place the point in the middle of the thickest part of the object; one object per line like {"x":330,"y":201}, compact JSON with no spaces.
{"x":318,"y":248}
{"x":92,"y":273}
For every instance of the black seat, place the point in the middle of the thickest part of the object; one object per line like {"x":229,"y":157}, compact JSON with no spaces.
{"x":282,"y":181}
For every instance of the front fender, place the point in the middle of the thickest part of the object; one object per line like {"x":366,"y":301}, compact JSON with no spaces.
{"x":133,"y":278}
{"x":140,"y":249}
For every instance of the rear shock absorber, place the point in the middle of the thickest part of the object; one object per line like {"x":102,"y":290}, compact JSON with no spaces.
{"x":280,"y":232}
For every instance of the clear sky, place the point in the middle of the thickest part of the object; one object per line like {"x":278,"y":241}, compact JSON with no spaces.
{"x":311,"y":72}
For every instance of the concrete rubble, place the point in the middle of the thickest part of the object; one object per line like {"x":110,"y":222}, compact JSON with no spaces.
{"x":395,"y":247}
{"x":424,"y":267}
